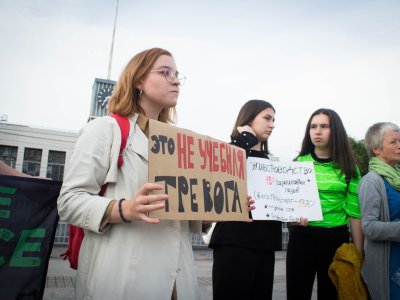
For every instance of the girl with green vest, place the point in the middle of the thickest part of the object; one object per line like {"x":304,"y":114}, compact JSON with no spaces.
{"x":311,"y":248}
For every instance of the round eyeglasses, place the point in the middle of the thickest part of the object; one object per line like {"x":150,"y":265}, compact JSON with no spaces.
{"x":170,"y":75}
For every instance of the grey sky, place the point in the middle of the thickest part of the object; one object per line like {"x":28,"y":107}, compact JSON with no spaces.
{"x":299,"y":55}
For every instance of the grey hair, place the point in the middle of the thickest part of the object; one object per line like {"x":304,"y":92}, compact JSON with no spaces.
{"x":374,"y":136}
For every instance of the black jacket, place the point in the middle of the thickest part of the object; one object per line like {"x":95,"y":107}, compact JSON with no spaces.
{"x":262,"y":235}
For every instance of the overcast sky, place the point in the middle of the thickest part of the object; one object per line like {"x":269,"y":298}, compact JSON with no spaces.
{"x":298,"y":55}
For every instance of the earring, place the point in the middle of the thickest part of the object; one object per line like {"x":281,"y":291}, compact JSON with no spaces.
{"x":140,"y":93}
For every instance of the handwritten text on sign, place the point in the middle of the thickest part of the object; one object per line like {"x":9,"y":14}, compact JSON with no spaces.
{"x":204,"y":178}
{"x":283,"y":191}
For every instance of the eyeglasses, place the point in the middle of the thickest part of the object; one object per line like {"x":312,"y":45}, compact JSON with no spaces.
{"x":170,"y":75}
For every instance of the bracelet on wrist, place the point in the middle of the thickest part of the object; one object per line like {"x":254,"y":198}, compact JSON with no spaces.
{"x":121,"y":215}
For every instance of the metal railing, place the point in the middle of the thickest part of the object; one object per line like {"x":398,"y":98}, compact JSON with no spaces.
{"x":62,"y":234}
{"x":61,"y":238}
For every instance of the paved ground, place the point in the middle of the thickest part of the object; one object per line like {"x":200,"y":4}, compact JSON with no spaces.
{"x":61,"y":279}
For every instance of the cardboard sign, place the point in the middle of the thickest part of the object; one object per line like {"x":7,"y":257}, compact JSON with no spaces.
{"x":204,"y":178}
{"x":283,"y":191}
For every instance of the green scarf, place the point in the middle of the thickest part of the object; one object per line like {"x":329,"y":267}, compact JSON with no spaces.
{"x":391,"y":174}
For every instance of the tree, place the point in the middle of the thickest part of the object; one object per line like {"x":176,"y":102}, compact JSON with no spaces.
{"x":361,"y":154}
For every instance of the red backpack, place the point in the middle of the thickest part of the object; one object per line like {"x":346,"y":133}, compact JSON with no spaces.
{"x":76,"y":233}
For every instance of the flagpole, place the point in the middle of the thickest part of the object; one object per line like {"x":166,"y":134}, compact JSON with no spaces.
{"x":112,"y":43}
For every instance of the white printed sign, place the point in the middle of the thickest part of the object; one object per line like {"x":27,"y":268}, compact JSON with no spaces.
{"x":283,"y":191}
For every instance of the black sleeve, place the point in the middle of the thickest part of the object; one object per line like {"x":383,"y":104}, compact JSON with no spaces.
{"x":245,"y":140}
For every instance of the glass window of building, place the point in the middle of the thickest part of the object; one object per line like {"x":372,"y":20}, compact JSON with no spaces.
{"x":32,"y":159}
{"x":8,"y":154}
{"x":55,"y":166}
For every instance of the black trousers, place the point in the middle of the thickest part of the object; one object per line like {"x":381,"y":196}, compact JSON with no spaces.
{"x":242,"y":273}
{"x":310,"y":252}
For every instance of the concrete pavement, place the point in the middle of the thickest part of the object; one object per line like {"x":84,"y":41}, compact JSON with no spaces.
{"x":61,"y":278}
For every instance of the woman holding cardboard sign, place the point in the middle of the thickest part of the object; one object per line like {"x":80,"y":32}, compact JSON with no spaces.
{"x":244,"y":253}
{"x":311,"y":248}
{"x":125,"y":254}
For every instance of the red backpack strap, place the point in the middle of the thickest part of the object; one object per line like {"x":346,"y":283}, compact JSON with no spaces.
{"x":76,"y":234}
{"x":124,"y":126}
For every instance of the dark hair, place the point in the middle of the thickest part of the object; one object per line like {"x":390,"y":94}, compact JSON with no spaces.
{"x":247,"y":114}
{"x":340,"y":149}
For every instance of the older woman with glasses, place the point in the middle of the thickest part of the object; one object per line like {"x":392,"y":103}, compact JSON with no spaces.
{"x":379,"y":194}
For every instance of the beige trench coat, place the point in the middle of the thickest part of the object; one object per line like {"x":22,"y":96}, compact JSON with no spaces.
{"x":126,"y":261}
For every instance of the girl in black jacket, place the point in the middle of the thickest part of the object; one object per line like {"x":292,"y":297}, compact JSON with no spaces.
{"x":244,"y":253}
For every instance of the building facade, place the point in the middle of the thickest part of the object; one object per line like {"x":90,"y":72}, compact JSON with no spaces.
{"x":36,"y":151}
{"x":46,"y":152}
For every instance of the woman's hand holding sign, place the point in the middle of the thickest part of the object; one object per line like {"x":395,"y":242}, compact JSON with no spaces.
{"x":137,"y":209}
{"x":245,"y":128}
{"x":250,"y":206}
{"x":302,"y":221}
{"x":250,"y":203}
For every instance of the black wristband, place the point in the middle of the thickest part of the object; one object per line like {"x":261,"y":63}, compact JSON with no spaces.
{"x":120,"y":212}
